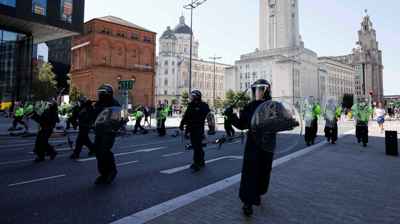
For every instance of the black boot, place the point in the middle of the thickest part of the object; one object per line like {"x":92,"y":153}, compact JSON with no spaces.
{"x":247,"y":210}
{"x":100,"y":180}
{"x":110,"y":178}
{"x":38,"y":160}
{"x":195,"y":167}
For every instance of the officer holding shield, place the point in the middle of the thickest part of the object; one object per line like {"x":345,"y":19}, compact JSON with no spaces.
{"x":257,"y":161}
{"x":108,"y":121}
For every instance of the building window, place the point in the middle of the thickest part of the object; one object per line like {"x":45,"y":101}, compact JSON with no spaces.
{"x":165,"y":82}
{"x":165,"y":92}
{"x":165,"y":62}
{"x":166,"y":72}
{"x":147,"y":39}
{"x":39,"y":7}
{"x":8,"y":2}
{"x":135,"y":36}
{"x":66,"y":8}
{"x":173,"y":62}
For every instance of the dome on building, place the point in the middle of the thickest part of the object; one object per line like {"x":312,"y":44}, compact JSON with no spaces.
{"x":168,"y":34}
{"x":182,"y":28}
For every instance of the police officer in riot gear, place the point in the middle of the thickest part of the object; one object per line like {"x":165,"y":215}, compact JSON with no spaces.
{"x":362,"y":112}
{"x":194,"y":119}
{"x":47,"y":121}
{"x":257,"y":162}
{"x":105,"y":134}
{"x":85,"y":122}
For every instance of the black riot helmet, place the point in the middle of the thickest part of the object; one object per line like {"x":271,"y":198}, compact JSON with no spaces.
{"x":105,"y":93}
{"x":195,"y":95}
{"x":261,"y":90}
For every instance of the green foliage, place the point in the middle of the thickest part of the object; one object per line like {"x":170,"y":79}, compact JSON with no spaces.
{"x":74,"y":94}
{"x":44,"y":85}
{"x":240,"y":98}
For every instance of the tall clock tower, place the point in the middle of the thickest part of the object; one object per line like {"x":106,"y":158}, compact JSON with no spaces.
{"x":279,"y":24}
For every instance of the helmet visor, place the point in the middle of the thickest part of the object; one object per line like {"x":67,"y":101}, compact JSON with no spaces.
{"x":259,"y":91}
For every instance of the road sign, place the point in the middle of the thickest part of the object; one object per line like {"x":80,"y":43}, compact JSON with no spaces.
{"x":126,"y":84}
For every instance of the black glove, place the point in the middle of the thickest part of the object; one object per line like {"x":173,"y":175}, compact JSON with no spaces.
{"x":181,"y":127}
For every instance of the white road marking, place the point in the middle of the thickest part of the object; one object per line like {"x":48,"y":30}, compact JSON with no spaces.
{"x":29,"y":144}
{"x":26,"y":160}
{"x":125,"y":153}
{"x":36,"y":180}
{"x":173,"y":154}
{"x":127,"y":163}
{"x":58,"y":150}
{"x":16,"y":161}
{"x":181,"y":168}
{"x":156,"y":211}
{"x":147,"y":144}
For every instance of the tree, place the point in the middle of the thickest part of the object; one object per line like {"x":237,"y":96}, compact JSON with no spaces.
{"x":219,"y":103}
{"x":229,"y":98}
{"x":240,"y":98}
{"x":74,"y":94}
{"x":185,"y":99}
{"x":44,"y":85}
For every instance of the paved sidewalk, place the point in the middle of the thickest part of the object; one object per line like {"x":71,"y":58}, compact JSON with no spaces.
{"x":345,"y":183}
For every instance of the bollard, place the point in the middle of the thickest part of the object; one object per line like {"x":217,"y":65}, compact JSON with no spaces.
{"x":391,"y":143}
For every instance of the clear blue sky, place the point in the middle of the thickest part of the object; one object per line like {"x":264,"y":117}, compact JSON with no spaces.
{"x":229,"y":28}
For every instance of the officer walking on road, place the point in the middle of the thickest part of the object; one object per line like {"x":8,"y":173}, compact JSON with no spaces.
{"x":138,"y":115}
{"x":332,"y":113}
{"x":362,"y":111}
{"x":162,"y":113}
{"x":47,"y":121}
{"x":311,"y":114}
{"x":194,"y":119}
{"x":108,"y":120}
{"x":258,"y":158}
{"x":85,"y":122}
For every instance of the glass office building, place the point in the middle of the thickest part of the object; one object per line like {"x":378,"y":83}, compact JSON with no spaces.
{"x":23,"y":25}
{"x":15,"y":65}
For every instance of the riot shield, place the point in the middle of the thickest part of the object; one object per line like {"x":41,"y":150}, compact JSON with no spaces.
{"x":109,"y":120}
{"x":272,"y":117}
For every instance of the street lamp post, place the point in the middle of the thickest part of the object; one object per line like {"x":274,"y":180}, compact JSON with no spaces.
{"x":194,"y":4}
{"x":215,"y":58}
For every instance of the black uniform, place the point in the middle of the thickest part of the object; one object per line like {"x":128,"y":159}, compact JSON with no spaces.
{"x":85,"y":122}
{"x":362,"y":132}
{"x":103,"y":143}
{"x":194,"y":119}
{"x":257,"y":161}
{"x":74,"y":116}
{"x":230,"y":132}
{"x":311,"y":132}
{"x":47,"y":121}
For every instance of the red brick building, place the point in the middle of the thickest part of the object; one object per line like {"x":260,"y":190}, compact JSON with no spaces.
{"x":112,"y":49}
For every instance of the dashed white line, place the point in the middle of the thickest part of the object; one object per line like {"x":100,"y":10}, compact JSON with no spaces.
{"x":36,"y":180}
{"x":173,"y":154}
{"x":181,"y":168}
{"x":147,"y":144}
{"x":125,"y":153}
{"x":127,"y":163}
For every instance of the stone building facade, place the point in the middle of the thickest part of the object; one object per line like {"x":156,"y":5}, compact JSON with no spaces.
{"x":172,"y":77}
{"x":339,"y":79}
{"x":110,"y":50}
{"x":281,"y":58}
{"x":366,"y":59}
